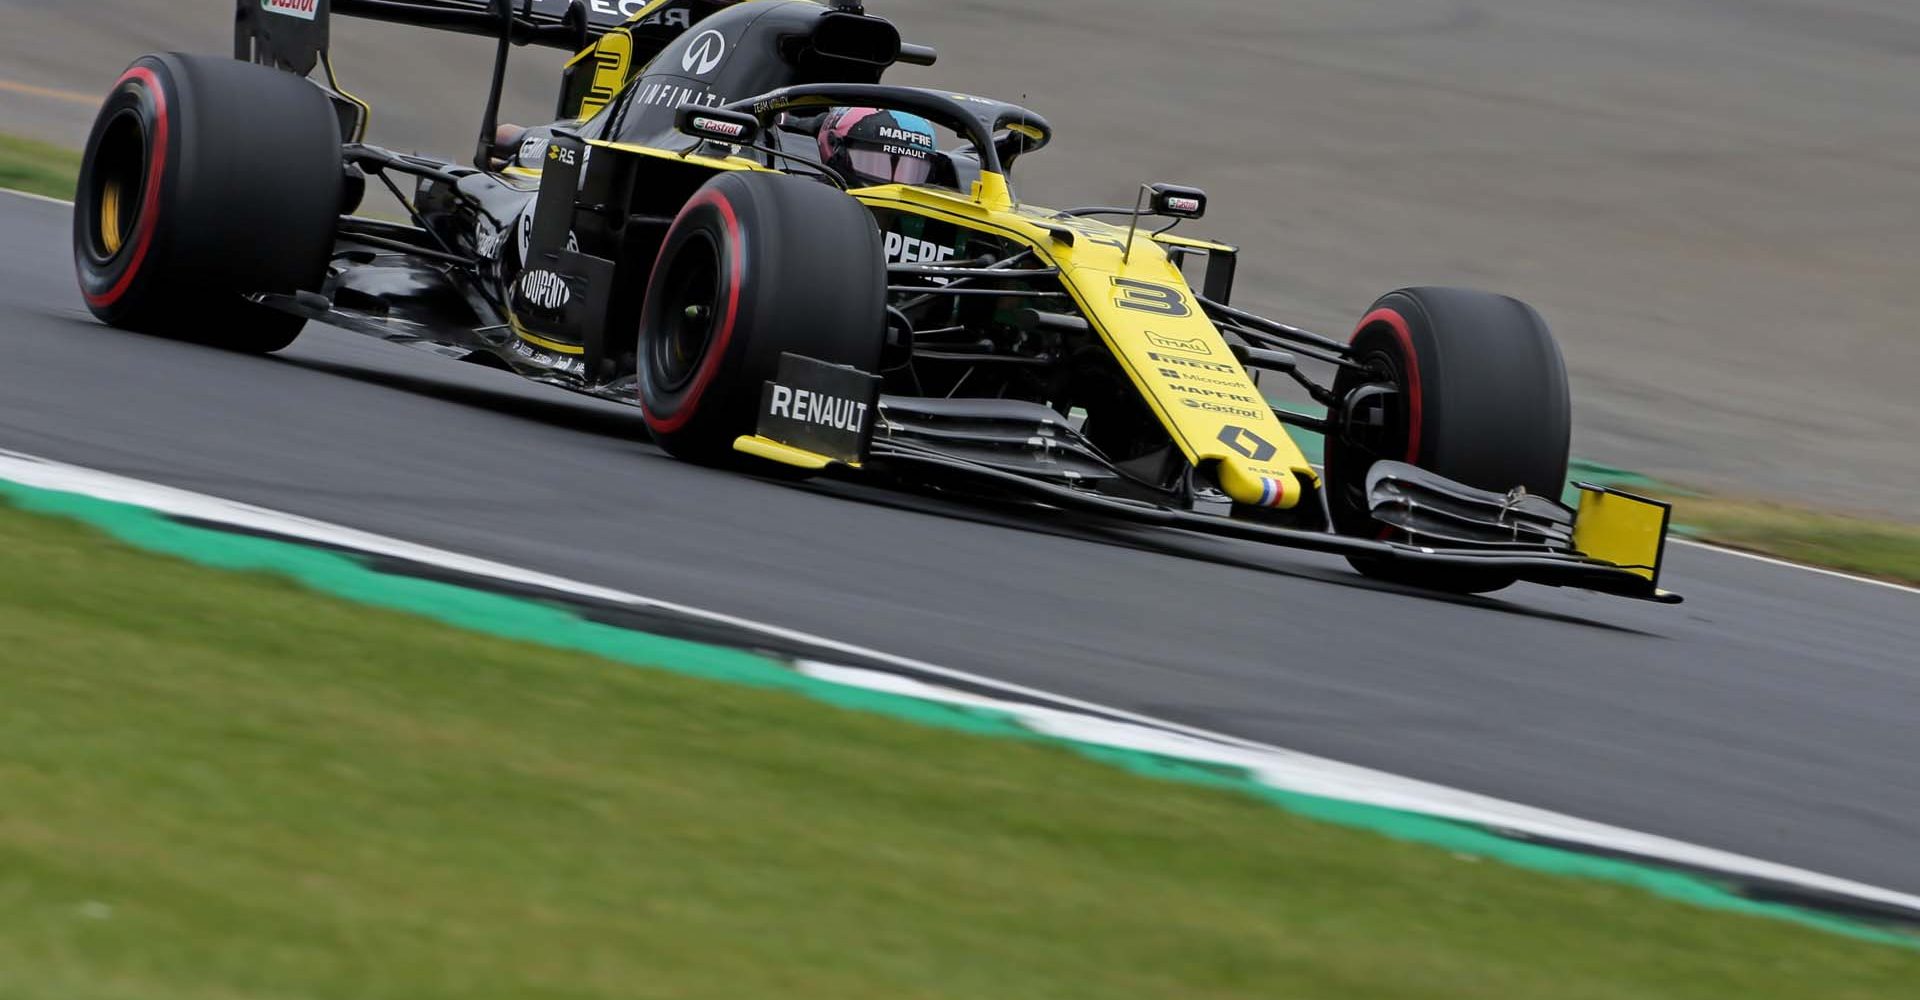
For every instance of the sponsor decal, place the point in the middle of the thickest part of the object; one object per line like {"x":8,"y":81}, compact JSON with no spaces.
{"x":920,"y":139}
{"x":619,"y":8}
{"x":1188,"y":376}
{"x":305,"y":10}
{"x":913,"y":151}
{"x":1192,"y":345}
{"x":907,"y":250}
{"x":715,"y":126}
{"x":561,"y":154}
{"x":1247,"y":443}
{"x":970,"y":98}
{"x":704,"y":53}
{"x":533,"y":149}
{"x":545,"y":290}
{"x":672,"y":96}
{"x":1213,"y":393}
{"x":1181,"y":203}
{"x":625,"y":9}
{"x":561,"y":362}
{"x":808,"y":406}
{"x":526,"y":235}
{"x":1179,"y":362}
{"x":679,"y":18}
{"x":488,"y":238}
{"x":822,"y":408}
{"x":1212,"y":407}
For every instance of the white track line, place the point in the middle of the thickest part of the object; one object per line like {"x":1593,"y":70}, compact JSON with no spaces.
{"x":30,"y":196}
{"x":1771,"y":561}
{"x":1065,"y":717}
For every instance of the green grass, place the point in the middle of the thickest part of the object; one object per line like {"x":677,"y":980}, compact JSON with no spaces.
{"x":1885,"y":549}
{"x":217,"y":785}
{"x":38,"y":167}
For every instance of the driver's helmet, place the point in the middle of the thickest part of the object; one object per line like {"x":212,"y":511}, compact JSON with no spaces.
{"x":871,"y":146}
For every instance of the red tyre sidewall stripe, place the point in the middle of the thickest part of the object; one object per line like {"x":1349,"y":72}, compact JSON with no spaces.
{"x":1398,"y":324}
{"x":150,"y":197}
{"x":716,"y":351}
{"x":1392,"y":320}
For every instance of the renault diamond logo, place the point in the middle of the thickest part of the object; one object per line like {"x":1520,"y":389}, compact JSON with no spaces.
{"x":1246,"y":442}
{"x":704,"y":52}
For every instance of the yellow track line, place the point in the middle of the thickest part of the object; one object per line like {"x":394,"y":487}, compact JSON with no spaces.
{"x":58,"y":95}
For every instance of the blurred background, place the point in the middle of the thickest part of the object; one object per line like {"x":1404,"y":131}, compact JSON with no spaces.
{"x":1713,"y":202}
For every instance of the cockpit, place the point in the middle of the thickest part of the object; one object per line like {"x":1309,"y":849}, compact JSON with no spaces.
{"x":815,"y":64}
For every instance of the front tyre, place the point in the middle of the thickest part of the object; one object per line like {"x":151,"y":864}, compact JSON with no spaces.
{"x":755,"y":265}
{"x":206,"y":179}
{"x":1476,"y":391}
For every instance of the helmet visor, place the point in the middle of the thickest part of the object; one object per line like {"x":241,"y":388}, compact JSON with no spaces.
{"x":880,"y":167}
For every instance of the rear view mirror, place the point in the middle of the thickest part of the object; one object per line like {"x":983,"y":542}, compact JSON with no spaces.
{"x":719,"y":125}
{"x":1175,"y":202}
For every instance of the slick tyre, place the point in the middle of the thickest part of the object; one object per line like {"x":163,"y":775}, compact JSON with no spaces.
{"x":206,"y":179}
{"x":1480,"y":396}
{"x":755,"y":264}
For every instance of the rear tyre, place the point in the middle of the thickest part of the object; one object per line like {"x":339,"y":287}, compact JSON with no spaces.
{"x":756,"y":264}
{"x":1480,"y":396}
{"x":205,"y":179}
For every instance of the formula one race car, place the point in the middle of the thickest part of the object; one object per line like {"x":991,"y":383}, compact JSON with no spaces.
{"x":791,"y":266}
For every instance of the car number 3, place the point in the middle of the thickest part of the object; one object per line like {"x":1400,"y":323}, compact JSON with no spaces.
{"x":1145,"y":296}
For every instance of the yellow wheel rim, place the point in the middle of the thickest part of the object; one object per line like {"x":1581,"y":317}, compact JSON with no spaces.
{"x":111,"y":234}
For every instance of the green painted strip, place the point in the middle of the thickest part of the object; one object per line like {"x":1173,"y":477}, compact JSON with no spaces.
{"x":1581,"y":470}
{"x":531,"y":621}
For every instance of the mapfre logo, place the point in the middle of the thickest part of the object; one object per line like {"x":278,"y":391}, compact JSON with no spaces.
{"x":704,"y":52}
{"x":302,"y":9}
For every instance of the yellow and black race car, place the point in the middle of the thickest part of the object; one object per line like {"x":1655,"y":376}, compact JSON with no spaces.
{"x":788,"y":264}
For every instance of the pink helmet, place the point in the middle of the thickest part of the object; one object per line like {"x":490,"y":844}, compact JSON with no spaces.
{"x":871,"y":146}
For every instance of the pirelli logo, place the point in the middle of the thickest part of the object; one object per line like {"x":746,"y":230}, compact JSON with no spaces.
{"x":1192,"y":363}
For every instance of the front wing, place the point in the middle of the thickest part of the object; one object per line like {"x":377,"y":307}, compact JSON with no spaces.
{"x":827,"y":419}
{"x":1532,"y":563}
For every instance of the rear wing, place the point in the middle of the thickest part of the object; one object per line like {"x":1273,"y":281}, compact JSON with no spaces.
{"x":294,"y":35}
{"x":612,"y":39}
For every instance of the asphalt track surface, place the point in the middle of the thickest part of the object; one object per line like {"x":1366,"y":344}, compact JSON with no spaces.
{"x":1771,"y":715}
{"x":1715,"y":203}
